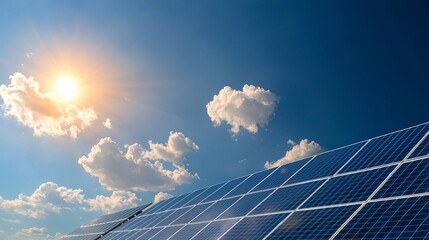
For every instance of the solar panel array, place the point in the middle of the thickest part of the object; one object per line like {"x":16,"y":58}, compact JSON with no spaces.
{"x":374,"y":189}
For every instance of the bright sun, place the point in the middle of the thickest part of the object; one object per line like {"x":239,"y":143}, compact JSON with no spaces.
{"x":66,"y":88}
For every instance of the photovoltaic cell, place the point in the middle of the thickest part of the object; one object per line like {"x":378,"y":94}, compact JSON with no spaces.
{"x":254,"y":227}
{"x":422,"y":149}
{"x":187,"y":199}
{"x":215,"y":229}
{"x":166,"y":232}
{"x":314,"y":224}
{"x":325,"y":164}
{"x":204,"y":194}
{"x":280,"y":175}
{"x":155,"y":207}
{"x":287,"y":198}
{"x":150,"y":233}
{"x":245,"y":204}
{"x":177,"y":213}
{"x":224,"y":189}
{"x":349,"y":188}
{"x":188,"y":231}
{"x":410,"y":178}
{"x":387,"y":149}
{"x":395,"y":219}
{"x":250,"y":183}
{"x":178,"y":202}
{"x":191,"y":214}
{"x":214,"y":210}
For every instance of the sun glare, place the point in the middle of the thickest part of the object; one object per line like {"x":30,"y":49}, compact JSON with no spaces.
{"x":66,"y":88}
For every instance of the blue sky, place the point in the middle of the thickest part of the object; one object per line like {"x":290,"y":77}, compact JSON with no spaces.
{"x":331,"y":72}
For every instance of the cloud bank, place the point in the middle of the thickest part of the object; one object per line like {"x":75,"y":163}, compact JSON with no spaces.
{"x":139,"y":169}
{"x":247,"y":109}
{"x":43,"y":112}
{"x":304,"y":149}
{"x":119,"y":200}
{"x":161,"y":196}
{"x":48,"y":198}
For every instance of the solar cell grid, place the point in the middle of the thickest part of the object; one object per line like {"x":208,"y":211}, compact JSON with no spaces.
{"x":387,"y":149}
{"x":178,"y":202}
{"x":325,"y":164}
{"x":410,"y":178}
{"x":214,"y":210}
{"x":188,"y":231}
{"x":186,"y":199}
{"x":287,"y":198}
{"x":254,"y":227}
{"x":349,"y":188}
{"x":280,"y":175}
{"x":166,"y":232}
{"x":149,"y":233}
{"x":159,"y":217}
{"x":422,"y":149}
{"x":204,"y":194}
{"x":215,"y":229}
{"x":176,"y":214}
{"x":224,"y":189}
{"x":406,"y":218}
{"x":313,"y":224}
{"x":192,"y":213}
{"x":245,"y":204}
{"x":250,"y":183}
{"x":155,"y":207}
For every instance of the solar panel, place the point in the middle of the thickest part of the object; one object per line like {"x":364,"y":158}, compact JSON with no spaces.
{"x":395,"y":219}
{"x":411,"y":178}
{"x":101,"y":225}
{"x":387,"y":149}
{"x":280,"y":175}
{"x":369,"y":190}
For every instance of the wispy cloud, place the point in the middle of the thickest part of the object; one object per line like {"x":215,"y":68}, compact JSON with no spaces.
{"x":43,"y":112}
{"x":10,"y":220}
{"x":49,"y":197}
{"x":139,"y":169}
{"x":33,"y":233}
{"x":107,"y":123}
{"x":247,"y":109}
{"x":119,"y":200}
{"x":161,"y":196}
{"x":304,"y":149}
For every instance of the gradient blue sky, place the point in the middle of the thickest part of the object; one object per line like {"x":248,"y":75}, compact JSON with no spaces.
{"x":343,"y":71}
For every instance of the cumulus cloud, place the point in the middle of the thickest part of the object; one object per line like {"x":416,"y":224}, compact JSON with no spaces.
{"x":304,"y":149}
{"x":119,"y":200}
{"x":161,"y":196}
{"x":107,"y":123}
{"x":43,"y":112}
{"x":33,"y":233}
{"x":48,"y":198}
{"x":245,"y":109}
{"x":139,"y":169}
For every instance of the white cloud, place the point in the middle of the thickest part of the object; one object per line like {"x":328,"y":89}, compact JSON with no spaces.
{"x":119,"y":200}
{"x":107,"y":123}
{"x":43,"y":112}
{"x":33,"y":233}
{"x":48,"y":198}
{"x":134,"y":170}
{"x":10,"y":220}
{"x":245,"y":109}
{"x":161,"y":196}
{"x":178,"y":144}
{"x":304,"y":149}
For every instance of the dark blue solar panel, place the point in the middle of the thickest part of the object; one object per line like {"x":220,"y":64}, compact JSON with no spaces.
{"x":410,"y":178}
{"x":349,"y":188}
{"x":406,"y":218}
{"x":245,"y":204}
{"x":161,"y":216}
{"x":178,"y":202}
{"x":191,"y":196}
{"x":191,"y":214}
{"x":138,"y":223}
{"x":224,"y":189}
{"x":387,"y":149}
{"x":254,"y":227}
{"x":166,"y":232}
{"x":287,"y":198}
{"x":188,"y":231}
{"x":250,"y":183}
{"x":154,"y":208}
{"x":213,"y":211}
{"x":280,"y":175}
{"x":325,"y":164}
{"x":215,"y":229}
{"x":314,"y":224}
{"x":123,"y":235}
{"x":177,"y":213}
{"x":150,"y":233}
{"x":204,"y":194}
{"x":422,"y":149}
